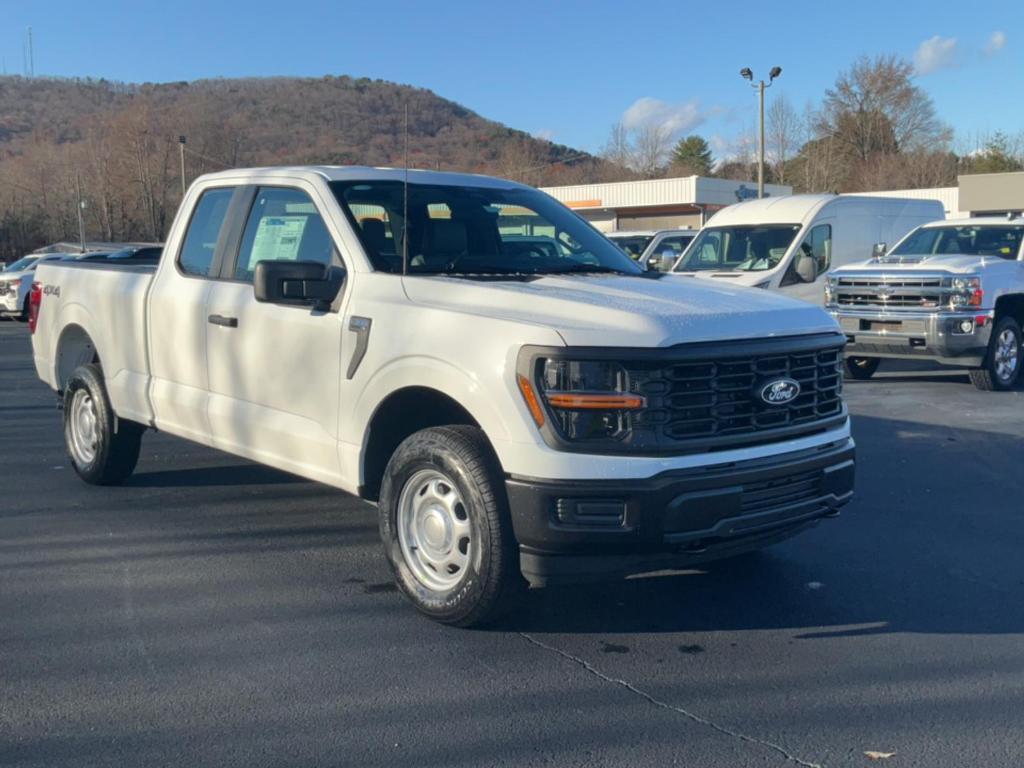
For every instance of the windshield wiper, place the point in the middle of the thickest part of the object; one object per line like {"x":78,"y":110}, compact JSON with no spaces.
{"x":583,"y":269}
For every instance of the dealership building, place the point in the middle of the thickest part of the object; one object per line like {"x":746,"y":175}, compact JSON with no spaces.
{"x":658,"y":203}
{"x":691,"y":200}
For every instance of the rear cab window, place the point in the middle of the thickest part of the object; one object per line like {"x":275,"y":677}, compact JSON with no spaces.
{"x":196,"y":256}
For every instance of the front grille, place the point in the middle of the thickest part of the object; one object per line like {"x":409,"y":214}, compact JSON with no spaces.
{"x":716,"y":398}
{"x":892,"y":292}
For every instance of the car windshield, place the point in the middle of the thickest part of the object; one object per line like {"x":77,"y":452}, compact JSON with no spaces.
{"x":633,"y":245}
{"x":752,"y":248}
{"x":460,"y":230}
{"x":972,"y":240}
{"x":22,"y":264}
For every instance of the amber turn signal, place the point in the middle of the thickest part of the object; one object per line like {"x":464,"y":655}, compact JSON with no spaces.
{"x":531,"y":400}
{"x":595,"y":402}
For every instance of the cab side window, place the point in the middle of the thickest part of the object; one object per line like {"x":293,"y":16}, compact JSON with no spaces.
{"x":283,"y":225}
{"x":200,"y":246}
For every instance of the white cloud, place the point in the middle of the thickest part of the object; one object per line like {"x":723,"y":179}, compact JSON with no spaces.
{"x":676,"y":118}
{"x":995,"y":43}
{"x":934,"y":54}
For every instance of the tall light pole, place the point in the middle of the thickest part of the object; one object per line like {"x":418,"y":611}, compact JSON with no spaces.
{"x":746,"y":74}
{"x":181,"y":152}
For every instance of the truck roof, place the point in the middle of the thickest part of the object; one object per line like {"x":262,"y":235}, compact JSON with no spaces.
{"x":363,"y":173}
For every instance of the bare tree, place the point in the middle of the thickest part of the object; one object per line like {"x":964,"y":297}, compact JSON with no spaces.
{"x":875,"y":107}
{"x":619,"y":148}
{"x":783,"y":135}
{"x":651,"y":149}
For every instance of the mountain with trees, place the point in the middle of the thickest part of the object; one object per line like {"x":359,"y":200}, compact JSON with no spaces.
{"x":119,"y":142}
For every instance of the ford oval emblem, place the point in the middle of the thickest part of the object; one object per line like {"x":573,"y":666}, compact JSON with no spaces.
{"x":779,"y":391}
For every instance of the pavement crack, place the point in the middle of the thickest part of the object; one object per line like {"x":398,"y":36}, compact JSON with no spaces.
{"x":726,"y":731}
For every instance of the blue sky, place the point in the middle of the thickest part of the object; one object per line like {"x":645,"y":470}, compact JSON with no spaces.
{"x":562,"y":70}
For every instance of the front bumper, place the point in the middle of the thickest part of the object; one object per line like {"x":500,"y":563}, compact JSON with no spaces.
{"x":578,"y":530}
{"x":928,"y":335}
{"x":10,"y":304}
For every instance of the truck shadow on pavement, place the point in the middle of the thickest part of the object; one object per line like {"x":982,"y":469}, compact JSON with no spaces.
{"x":930,"y":544}
{"x":236,"y":474}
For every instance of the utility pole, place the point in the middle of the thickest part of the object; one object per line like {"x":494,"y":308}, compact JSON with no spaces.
{"x":81,"y":210}
{"x":747,"y":74}
{"x":181,"y":151}
{"x":31,"y":56}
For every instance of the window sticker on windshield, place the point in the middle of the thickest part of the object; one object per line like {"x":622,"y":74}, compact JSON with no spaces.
{"x":277,"y":238}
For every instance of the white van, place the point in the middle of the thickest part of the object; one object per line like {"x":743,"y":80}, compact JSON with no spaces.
{"x":790,"y":243}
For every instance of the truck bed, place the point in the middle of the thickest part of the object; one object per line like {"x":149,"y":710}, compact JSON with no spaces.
{"x":106,"y":302}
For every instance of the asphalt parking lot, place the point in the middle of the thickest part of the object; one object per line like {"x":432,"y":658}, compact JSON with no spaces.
{"x":213,"y":612}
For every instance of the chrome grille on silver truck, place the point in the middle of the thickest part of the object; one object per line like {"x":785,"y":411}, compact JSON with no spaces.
{"x":912,"y":292}
{"x":717,"y":397}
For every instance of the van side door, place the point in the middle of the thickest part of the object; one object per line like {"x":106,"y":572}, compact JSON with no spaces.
{"x":817,"y":244}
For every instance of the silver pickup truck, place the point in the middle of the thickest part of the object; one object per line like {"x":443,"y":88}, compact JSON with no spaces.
{"x":950,"y":291}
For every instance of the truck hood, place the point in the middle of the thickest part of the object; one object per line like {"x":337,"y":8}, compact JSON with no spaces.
{"x":952,"y":262}
{"x":736,"y":277}
{"x":614,"y":311}
{"x":5,"y":276}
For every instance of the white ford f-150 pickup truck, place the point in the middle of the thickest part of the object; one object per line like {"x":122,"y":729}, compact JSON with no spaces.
{"x":950,"y":291}
{"x":520,"y":413}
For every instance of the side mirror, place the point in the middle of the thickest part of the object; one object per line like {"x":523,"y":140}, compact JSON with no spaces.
{"x":878,"y":251}
{"x":297,"y":283}
{"x":807,"y":268}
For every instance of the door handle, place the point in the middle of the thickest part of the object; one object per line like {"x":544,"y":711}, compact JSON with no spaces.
{"x":227,"y":322}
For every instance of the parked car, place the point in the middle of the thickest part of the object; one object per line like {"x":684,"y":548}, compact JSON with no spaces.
{"x":790,"y":243}
{"x":633,"y":244}
{"x":665,"y":249}
{"x":951,"y":291}
{"x":134,"y":253}
{"x":517,"y":418}
{"x":16,"y":283}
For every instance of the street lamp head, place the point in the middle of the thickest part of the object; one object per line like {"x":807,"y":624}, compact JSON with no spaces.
{"x":775,"y":72}
{"x":746,"y":74}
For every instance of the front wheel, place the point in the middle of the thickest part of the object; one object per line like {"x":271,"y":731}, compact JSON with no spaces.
{"x":446,"y":528}
{"x":861,"y":367}
{"x":103,"y":449}
{"x":1001,"y":368}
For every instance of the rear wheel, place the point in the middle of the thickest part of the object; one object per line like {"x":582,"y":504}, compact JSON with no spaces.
{"x":24,"y":311}
{"x":446,"y":528}
{"x":103,"y":448}
{"x":861,"y":367}
{"x":1001,"y":369}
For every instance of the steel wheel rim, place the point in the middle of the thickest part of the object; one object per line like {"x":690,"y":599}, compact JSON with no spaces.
{"x":83,"y":424}
{"x":434,"y":531}
{"x":1007,"y":356}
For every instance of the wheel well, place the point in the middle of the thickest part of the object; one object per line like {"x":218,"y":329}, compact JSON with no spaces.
{"x":401,"y":414}
{"x":74,"y":348}
{"x":1012,"y":306}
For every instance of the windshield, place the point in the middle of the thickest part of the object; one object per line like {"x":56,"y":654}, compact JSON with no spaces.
{"x":974,"y":240}
{"x":755,"y":248}
{"x":633,"y":245}
{"x":22,"y":264}
{"x":475,"y":230}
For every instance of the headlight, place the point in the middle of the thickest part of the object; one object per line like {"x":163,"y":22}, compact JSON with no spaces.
{"x":966,"y":292}
{"x":830,"y":284}
{"x":588,"y":399}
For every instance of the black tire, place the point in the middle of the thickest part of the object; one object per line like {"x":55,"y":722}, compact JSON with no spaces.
{"x":490,"y":583}
{"x":862,"y":368}
{"x":994,"y":375}
{"x":115,"y":441}
{"x":24,"y":311}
